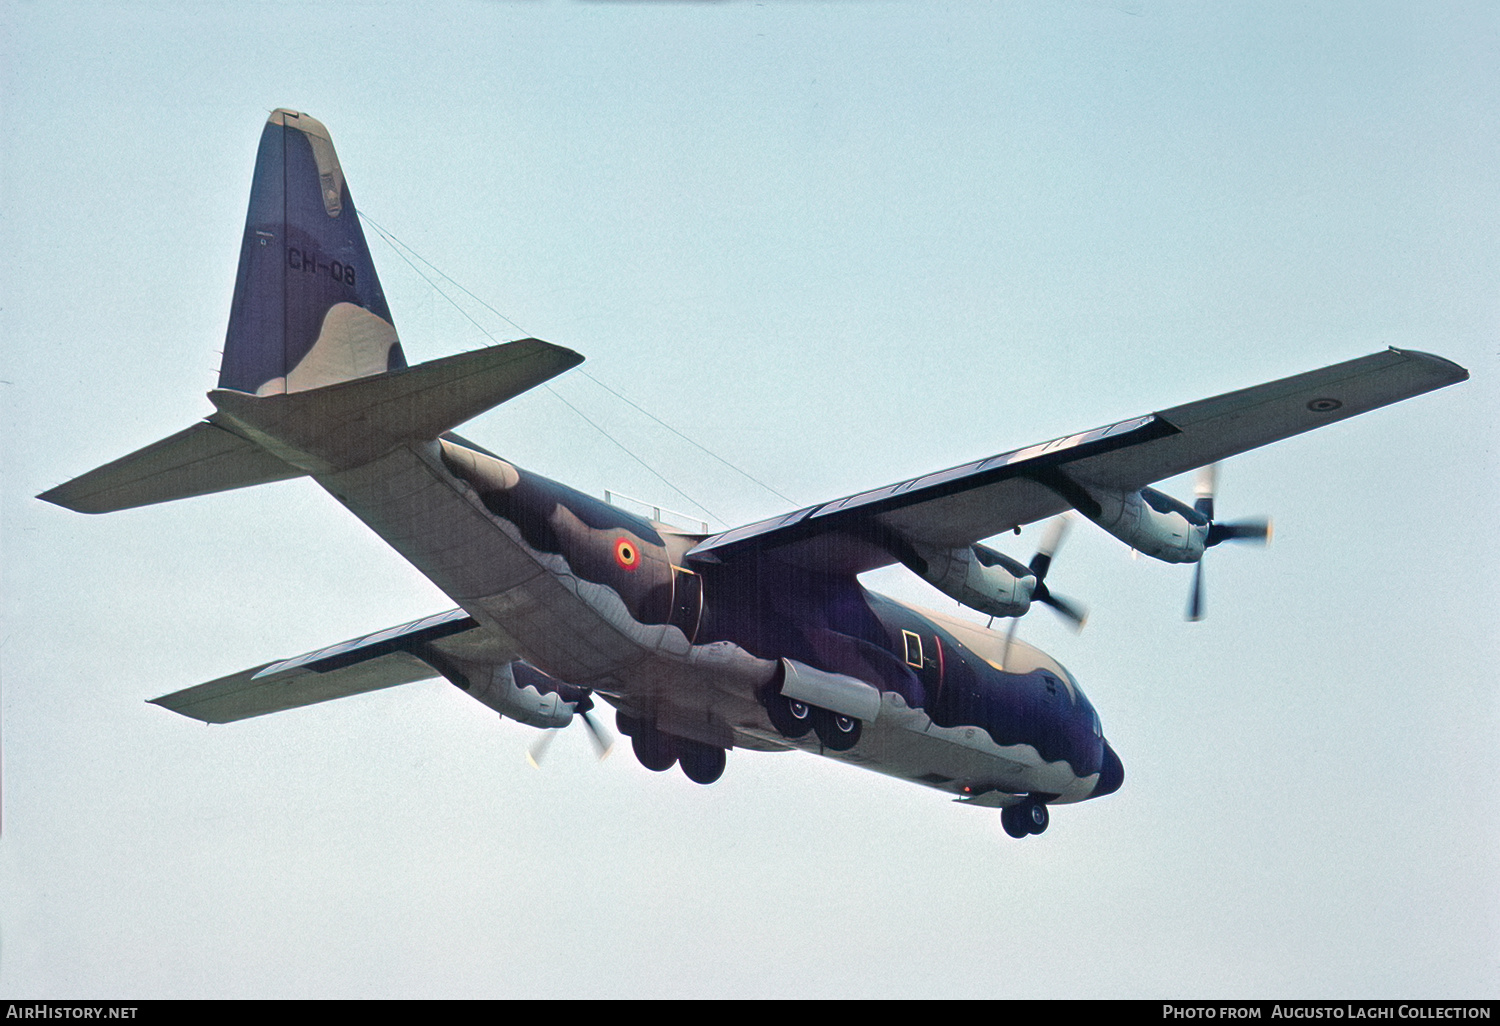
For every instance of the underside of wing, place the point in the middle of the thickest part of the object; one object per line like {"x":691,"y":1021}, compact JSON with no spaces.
{"x":965,"y":504}
{"x":369,"y":663}
{"x":1210,"y":430}
{"x":948,"y":508}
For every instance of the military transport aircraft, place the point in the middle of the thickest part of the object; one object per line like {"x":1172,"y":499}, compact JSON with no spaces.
{"x":758,"y":638}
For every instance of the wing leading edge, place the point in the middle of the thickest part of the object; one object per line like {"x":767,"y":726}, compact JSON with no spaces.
{"x":965,"y":504}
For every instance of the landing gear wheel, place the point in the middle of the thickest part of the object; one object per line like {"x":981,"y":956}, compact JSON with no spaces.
{"x":654,"y":750}
{"x":838,"y":732}
{"x":1029,"y":817}
{"x":791,"y":718}
{"x":1012,"y":822}
{"x":703,"y":764}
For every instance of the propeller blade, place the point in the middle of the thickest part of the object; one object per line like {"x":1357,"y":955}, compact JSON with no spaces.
{"x":1195,"y":601}
{"x":1056,"y":532}
{"x":1257,"y":531}
{"x":1075,"y":614}
{"x":603,"y":742}
{"x":535,"y":753}
{"x":1040,"y":564}
{"x":1010,"y":635}
{"x":1042,"y":561}
{"x":1204,"y":488}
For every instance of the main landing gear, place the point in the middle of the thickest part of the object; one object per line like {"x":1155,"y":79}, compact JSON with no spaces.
{"x":793,"y":719}
{"x":658,"y":752}
{"x":702,"y":763}
{"x":1029,"y":817}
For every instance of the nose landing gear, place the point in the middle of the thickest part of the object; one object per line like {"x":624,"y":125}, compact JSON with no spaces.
{"x":1029,"y":817}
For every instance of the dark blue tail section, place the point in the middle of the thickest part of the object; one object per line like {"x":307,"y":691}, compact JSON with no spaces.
{"x":308,"y":309}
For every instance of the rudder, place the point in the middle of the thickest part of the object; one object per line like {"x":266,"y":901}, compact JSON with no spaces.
{"x":308,"y":309}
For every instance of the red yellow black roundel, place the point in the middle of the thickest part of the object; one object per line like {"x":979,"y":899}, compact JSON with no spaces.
{"x":627,"y":554}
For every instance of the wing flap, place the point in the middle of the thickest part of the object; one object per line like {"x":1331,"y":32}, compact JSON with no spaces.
{"x":948,"y":508}
{"x":384,"y":659}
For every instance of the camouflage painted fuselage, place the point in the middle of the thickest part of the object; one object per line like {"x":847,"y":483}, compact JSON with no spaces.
{"x":600,"y":598}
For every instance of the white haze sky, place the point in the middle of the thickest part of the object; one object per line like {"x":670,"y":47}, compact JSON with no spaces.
{"x":839,"y":244}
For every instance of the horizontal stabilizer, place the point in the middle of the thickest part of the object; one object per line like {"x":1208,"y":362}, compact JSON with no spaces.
{"x":369,"y":663}
{"x":198,"y":461}
{"x":353,"y":422}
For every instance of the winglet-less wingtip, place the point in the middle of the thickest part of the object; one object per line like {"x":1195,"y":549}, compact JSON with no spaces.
{"x":1454,"y":373}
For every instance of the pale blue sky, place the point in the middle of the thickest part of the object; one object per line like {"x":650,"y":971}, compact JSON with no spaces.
{"x":839,"y":244}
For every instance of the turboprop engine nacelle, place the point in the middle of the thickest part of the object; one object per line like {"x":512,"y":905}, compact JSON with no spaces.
{"x":523,"y":693}
{"x":977,"y":576}
{"x":1151,"y":522}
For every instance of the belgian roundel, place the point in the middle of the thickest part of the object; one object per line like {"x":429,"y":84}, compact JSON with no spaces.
{"x":627,"y":554}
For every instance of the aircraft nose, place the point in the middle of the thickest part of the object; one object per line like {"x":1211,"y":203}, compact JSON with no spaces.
{"x":1111,"y":774}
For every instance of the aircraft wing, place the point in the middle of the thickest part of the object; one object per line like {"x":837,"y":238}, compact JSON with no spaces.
{"x":965,"y":504}
{"x":369,"y":663}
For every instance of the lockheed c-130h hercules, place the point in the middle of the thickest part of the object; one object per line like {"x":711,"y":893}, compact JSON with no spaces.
{"x":756,"y":638}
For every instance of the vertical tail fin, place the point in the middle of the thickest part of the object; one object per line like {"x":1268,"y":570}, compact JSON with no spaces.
{"x":308,"y":309}
{"x":309,"y":313}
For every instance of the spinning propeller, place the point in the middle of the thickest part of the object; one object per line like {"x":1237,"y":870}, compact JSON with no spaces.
{"x":603,"y":742}
{"x":1040,"y":563}
{"x":1257,"y":531}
